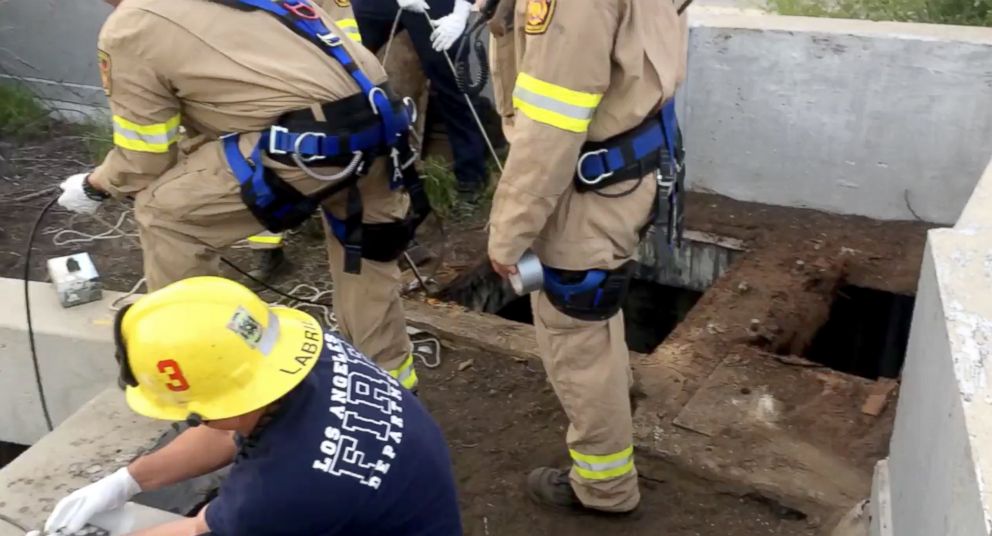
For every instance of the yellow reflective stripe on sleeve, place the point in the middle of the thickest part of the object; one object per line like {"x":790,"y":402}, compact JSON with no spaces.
{"x":555,"y":105}
{"x":603,"y":467}
{"x":406,"y":374}
{"x":350,"y":27}
{"x":154,"y":138}
{"x":266,"y":239}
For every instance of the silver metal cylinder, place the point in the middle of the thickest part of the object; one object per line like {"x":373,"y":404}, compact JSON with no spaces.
{"x":529,"y":276}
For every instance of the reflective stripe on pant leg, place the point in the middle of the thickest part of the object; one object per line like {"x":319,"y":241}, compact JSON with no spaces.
{"x":406,"y":373}
{"x":602,"y":467}
{"x":265,"y":240}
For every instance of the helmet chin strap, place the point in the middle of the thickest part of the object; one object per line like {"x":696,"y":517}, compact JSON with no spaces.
{"x":194,"y":420}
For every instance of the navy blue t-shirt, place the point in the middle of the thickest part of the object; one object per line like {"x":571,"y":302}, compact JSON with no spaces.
{"x":348,"y":452}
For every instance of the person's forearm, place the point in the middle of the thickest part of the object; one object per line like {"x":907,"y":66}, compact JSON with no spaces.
{"x":183,"y":527}
{"x":197,"y":451}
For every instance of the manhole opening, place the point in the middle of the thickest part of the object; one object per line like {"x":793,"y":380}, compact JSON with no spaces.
{"x":866,"y":333}
{"x":651,"y":310}
{"x":9,"y":451}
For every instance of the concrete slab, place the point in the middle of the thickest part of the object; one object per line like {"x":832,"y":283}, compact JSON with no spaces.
{"x":101,"y":437}
{"x":75,"y":353}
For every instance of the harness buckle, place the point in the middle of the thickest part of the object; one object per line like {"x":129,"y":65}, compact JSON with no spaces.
{"x":597,"y":180}
{"x":274,"y":131}
{"x":299,"y":142}
{"x":329,"y":39}
{"x":665,"y":184}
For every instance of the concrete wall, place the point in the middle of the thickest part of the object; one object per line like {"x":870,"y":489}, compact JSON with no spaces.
{"x":75,"y":352}
{"x":941,"y":449}
{"x":846,"y":116}
{"x":52,"y":45}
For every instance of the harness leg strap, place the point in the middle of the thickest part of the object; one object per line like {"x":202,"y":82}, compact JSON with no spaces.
{"x":589,"y":295}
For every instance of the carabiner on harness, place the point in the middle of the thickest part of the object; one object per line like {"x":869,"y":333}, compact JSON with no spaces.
{"x":349,"y":170}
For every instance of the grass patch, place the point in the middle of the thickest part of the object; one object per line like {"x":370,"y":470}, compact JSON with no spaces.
{"x":962,"y":12}
{"x":21,"y":116}
{"x":441,"y":186}
{"x":97,"y":139}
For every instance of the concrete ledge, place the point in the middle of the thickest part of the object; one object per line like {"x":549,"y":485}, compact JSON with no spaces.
{"x":881,"y":501}
{"x":941,"y":449}
{"x":75,"y":353}
{"x":94,"y":442}
{"x":756,"y":20}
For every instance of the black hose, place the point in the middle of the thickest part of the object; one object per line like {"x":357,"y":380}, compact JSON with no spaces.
{"x":27,"y":310}
{"x":469,"y":83}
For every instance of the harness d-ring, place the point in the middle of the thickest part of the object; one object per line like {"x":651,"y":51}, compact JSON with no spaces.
{"x":299,"y":142}
{"x":356,"y":160}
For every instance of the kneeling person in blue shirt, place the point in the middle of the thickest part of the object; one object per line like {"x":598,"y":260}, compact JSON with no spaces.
{"x":323,"y":441}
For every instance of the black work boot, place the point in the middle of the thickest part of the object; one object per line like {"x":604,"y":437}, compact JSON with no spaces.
{"x":269,"y":262}
{"x":548,"y":486}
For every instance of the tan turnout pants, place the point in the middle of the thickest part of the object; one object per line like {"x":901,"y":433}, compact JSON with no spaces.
{"x":195,"y":208}
{"x":588,"y":362}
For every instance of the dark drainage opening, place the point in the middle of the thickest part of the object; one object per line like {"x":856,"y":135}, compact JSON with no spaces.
{"x":9,"y":451}
{"x":866,"y":333}
{"x":651,"y":310}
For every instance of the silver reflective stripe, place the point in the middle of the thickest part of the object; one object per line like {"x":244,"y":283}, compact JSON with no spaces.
{"x":270,"y":335}
{"x":602,"y":466}
{"x":547,"y":103}
{"x":405,"y":374}
{"x":151,"y":139}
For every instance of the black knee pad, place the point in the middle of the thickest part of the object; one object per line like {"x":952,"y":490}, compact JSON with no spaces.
{"x":588,"y":294}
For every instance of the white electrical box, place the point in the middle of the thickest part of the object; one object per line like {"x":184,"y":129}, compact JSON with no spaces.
{"x":75,"y":279}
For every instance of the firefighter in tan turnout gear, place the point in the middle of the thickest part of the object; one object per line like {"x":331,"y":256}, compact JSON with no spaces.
{"x":595,"y":158}
{"x":284,"y":114}
{"x":270,"y":256}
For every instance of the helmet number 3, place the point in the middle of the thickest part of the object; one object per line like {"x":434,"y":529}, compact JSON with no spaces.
{"x":177,"y":382}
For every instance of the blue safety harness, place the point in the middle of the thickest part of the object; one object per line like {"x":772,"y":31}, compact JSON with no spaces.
{"x":639,"y":147}
{"x":279,"y":206}
{"x":653,"y":146}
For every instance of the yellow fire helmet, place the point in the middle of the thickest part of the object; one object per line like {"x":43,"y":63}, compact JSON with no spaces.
{"x":208,"y":348}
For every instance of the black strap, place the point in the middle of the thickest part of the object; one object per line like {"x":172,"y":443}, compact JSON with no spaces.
{"x":352,"y":241}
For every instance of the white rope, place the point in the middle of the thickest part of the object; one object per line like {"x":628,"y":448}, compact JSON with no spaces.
{"x":66,"y":236}
{"x":118,"y":304}
{"x":314,"y":294}
{"x":471,"y":106}
{"x":392,"y":34}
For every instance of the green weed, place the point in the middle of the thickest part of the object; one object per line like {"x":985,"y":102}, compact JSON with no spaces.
{"x":962,"y":12}
{"x":21,"y":116}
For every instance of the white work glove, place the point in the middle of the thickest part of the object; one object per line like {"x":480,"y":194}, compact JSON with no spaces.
{"x":74,"y":198}
{"x":450,"y":27}
{"x":108,"y":493}
{"x":417,"y":6}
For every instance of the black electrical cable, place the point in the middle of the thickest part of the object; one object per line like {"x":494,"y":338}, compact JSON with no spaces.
{"x":27,"y":310}
{"x":270,"y":288}
{"x":13,"y":523}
